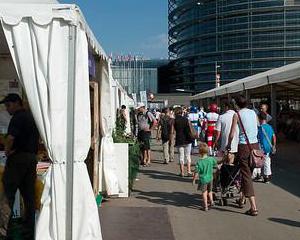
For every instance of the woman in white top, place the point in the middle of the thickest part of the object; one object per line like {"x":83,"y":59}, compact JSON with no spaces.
{"x":249,"y":120}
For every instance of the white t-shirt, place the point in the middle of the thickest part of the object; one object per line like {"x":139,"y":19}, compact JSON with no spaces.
{"x":194,"y":118}
{"x":224,"y":126}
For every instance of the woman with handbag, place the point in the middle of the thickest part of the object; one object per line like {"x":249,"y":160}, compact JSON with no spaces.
{"x":248,"y":146}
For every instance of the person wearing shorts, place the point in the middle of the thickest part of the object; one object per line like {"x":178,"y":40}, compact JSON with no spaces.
{"x":146,"y":123}
{"x":204,"y":168}
{"x":144,"y":139}
{"x":208,"y":187}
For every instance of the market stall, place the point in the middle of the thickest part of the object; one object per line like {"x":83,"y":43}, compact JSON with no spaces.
{"x":277,"y":86}
{"x":44,"y":46}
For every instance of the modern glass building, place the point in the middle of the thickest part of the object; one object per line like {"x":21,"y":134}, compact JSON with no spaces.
{"x":137,"y":75}
{"x":230,"y":38}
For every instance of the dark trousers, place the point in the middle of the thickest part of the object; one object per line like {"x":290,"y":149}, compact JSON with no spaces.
{"x":20,"y":173}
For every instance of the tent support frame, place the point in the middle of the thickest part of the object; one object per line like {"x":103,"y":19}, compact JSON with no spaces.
{"x":70,"y":132}
{"x":273,"y":106}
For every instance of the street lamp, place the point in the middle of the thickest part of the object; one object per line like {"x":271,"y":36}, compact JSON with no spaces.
{"x":217,"y":75}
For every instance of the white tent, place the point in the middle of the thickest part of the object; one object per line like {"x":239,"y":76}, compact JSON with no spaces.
{"x":45,"y":45}
{"x":287,"y":77}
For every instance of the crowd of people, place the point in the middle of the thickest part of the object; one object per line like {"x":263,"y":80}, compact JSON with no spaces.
{"x":226,"y":134}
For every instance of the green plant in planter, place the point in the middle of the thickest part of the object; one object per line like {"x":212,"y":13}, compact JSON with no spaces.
{"x":119,"y":136}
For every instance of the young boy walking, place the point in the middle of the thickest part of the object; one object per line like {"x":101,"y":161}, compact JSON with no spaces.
{"x":267,"y":140}
{"x":204,"y":168}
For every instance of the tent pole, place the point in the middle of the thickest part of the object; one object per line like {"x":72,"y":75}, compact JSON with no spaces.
{"x":247,"y":95}
{"x":70,"y":132}
{"x":273,"y":106}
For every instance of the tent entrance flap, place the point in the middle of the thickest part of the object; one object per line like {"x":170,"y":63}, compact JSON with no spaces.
{"x":58,"y":94}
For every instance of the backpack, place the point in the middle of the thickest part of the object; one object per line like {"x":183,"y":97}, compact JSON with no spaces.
{"x":141,"y":115}
{"x":150,"y":122}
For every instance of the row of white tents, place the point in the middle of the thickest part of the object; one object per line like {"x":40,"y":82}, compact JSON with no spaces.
{"x":285,"y":78}
{"x":45,"y":45}
{"x":278,"y":84}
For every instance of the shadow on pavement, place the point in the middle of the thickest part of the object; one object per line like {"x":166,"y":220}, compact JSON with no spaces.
{"x":167,"y":176}
{"x":226,"y":209}
{"x":286,"y":177}
{"x":285,"y":222}
{"x":286,"y":166}
{"x":178,"y":199}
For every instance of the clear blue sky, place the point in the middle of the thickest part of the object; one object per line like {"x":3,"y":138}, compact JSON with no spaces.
{"x":128,"y":26}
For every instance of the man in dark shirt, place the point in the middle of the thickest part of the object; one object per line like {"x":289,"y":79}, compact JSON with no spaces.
{"x":21,"y":150}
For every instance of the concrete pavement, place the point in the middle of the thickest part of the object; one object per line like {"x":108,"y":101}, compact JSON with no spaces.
{"x":278,"y":202}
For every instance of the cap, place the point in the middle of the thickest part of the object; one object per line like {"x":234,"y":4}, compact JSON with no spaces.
{"x":12,"y":97}
{"x":140,"y":105}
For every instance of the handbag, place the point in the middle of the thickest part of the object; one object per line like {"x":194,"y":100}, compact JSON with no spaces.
{"x":192,"y":132}
{"x":257,"y":156}
{"x":269,"y":141}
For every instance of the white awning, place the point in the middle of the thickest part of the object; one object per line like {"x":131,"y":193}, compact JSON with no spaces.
{"x":285,"y":76}
{"x":43,"y":14}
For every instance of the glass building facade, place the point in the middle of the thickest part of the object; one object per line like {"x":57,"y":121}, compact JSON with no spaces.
{"x":231,"y":38}
{"x":137,"y":75}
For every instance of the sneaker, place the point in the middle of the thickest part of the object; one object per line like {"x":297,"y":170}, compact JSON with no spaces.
{"x":258,"y":178}
{"x":205,"y":209}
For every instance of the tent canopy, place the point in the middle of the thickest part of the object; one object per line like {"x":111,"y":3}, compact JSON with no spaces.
{"x":286,"y":77}
{"x":12,"y":12}
{"x":32,"y":35}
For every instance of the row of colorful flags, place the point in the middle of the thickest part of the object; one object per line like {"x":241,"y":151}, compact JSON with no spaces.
{"x":125,"y":58}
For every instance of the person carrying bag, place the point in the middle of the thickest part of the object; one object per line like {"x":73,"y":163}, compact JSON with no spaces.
{"x":248,"y":155}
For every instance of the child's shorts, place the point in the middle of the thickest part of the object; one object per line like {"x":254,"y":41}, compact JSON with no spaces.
{"x":205,"y":187}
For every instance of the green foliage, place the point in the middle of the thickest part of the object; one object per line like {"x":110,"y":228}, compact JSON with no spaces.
{"x":119,"y":136}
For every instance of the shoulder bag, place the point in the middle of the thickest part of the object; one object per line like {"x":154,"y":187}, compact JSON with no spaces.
{"x":257,"y":156}
{"x":192,"y":132}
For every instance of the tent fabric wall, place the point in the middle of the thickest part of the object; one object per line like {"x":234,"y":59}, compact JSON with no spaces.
{"x":112,"y":185}
{"x":44,"y":76}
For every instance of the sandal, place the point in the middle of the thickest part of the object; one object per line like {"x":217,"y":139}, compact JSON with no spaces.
{"x":252,"y":212}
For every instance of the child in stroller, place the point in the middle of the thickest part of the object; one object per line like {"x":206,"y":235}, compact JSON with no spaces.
{"x":228,"y":182}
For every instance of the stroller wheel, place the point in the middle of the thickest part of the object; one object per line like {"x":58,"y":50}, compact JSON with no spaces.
{"x":225,"y":202}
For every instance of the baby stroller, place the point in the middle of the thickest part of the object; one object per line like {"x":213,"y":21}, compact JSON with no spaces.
{"x":229,"y":183}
